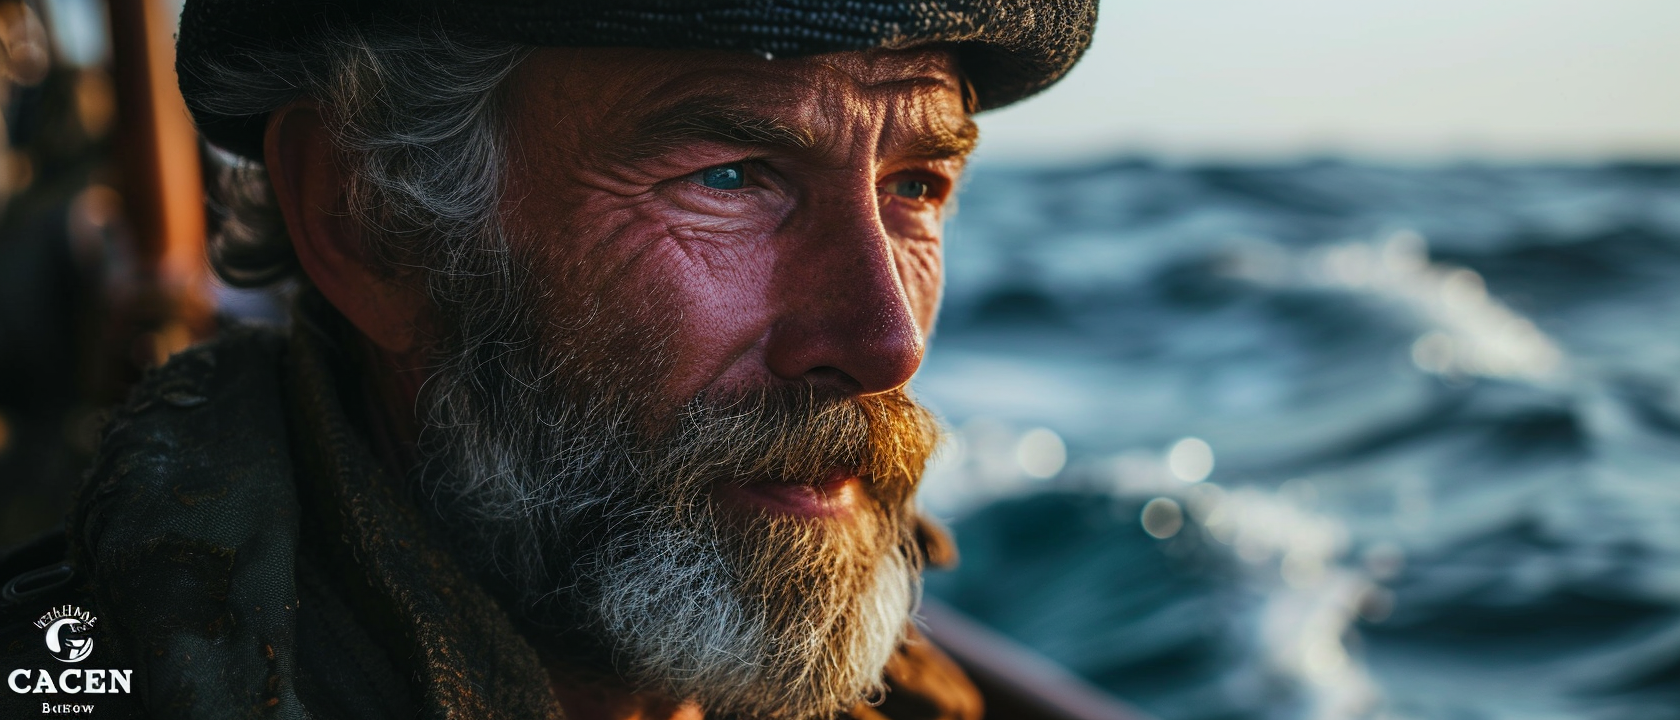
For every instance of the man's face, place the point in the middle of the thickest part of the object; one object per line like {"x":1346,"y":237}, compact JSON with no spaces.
{"x":783,"y":217}
{"x":687,"y":448}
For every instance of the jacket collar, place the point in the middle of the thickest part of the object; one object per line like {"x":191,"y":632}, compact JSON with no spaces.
{"x":466,"y":657}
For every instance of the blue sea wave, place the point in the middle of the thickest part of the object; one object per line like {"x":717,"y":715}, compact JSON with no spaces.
{"x":1321,"y":441}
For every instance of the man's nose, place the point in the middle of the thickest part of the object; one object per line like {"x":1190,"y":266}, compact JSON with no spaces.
{"x":845,"y":320}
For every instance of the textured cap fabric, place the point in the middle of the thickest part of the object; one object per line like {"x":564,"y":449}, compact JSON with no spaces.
{"x":1009,"y":49}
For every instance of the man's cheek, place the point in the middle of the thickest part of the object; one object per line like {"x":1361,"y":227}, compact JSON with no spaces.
{"x":577,"y":249}
{"x":921,"y":270}
{"x":641,"y":242}
{"x":717,"y":297}
{"x":628,"y":230}
{"x":721,"y":243}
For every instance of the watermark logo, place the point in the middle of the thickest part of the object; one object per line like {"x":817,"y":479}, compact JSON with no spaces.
{"x":69,"y":633}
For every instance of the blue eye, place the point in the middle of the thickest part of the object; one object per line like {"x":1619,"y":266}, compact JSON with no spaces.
{"x":724,"y":177}
{"x":912,"y":189}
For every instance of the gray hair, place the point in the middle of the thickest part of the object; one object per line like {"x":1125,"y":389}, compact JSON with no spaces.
{"x":416,"y":113}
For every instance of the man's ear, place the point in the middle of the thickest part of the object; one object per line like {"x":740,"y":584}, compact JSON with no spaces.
{"x":307,"y":173}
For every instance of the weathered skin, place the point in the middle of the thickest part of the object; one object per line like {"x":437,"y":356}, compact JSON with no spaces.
{"x":824,"y":267}
{"x":814,"y":270}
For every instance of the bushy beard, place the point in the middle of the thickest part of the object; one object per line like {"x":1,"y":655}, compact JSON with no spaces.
{"x":549,"y":464}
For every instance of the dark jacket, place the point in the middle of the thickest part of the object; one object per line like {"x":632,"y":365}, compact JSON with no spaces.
{"x":247,"y":556}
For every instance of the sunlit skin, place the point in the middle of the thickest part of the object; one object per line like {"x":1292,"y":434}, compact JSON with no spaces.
{"x":789,"y":212}
{"x":782,"y":219}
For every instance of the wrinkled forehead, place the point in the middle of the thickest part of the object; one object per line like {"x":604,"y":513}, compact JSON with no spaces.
{"x":617,"y":87}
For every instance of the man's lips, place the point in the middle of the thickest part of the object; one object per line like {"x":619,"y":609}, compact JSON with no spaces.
{"x":836,"y":494}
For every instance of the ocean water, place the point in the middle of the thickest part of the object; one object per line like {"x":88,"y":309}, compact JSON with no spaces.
{"x":1324,"y":441}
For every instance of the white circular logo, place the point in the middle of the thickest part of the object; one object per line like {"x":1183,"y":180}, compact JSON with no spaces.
{"x":70,"y":640}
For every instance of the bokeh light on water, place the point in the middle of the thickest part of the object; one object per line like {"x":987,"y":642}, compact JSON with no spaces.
{"x":1041,"y":453}
{"x":1162,"y":518}
{"x":1190,"y":460}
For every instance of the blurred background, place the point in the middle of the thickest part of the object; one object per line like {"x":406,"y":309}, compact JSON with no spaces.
{"x":1319,"y":359}
{"x":1306,"y":359}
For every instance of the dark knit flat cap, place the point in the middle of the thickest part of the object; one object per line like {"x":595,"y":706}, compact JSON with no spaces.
{"x":1009,"y":49}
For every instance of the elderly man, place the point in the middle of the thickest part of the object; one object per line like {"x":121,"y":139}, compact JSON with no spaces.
{"x":594,"y":403}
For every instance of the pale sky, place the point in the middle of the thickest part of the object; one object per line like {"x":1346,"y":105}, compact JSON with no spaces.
{"x":1416,"y":80}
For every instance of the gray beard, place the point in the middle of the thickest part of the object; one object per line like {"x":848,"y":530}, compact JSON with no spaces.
{"x":537,"y":469}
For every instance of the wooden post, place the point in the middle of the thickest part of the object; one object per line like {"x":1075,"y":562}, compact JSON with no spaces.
{"x":163,"y":185}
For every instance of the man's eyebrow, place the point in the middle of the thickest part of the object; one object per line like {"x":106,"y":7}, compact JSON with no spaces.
{"x":943,"y":141}
{"x":711,"y":118}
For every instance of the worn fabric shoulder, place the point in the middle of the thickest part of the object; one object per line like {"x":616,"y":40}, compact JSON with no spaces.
{"x":188,"y":526}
